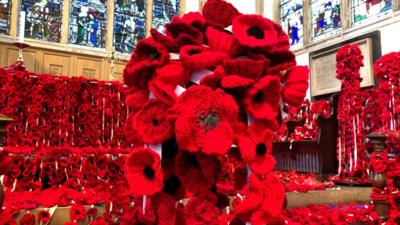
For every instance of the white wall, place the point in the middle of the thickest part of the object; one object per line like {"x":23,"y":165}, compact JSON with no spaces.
{"x":192,"y":6}
{"x":390,"y":38}
{"x":244,"y":6}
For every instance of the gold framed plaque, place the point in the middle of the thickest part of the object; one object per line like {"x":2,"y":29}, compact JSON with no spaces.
{"x":323,"y":67}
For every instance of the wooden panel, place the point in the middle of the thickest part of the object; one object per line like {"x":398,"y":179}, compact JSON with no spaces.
{"x":118,"y":70}
{"x":88,"y":67}
{"x":56,"y":64}
{"x":28,"y":54}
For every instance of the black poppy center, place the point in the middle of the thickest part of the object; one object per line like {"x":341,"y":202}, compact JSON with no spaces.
{"x":172,"y":185}
{"x":148,"y":172}
{"x":261,"y":149}
{"x":255,"y":32}
{"x":259,"y":97}
{"x":193,"y":52}
{"x":155,"y":122}
{"x":154,"y":55}
{"x":192,"y":159}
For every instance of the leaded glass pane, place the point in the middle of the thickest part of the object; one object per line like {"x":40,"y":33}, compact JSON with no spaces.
{"x":366,"y":10}
{"x":5,"y":16}
{"x":43,"y":19}
{"x":88,"y":22}
{"x":129,"y":24}
{"x":292,"y":21}
{"x":163,"y":11}
{"x":325,"y":15}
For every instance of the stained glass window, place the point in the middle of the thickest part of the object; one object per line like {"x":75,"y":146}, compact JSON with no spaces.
{"x":88,"y":22}
{"x":292,"y":21}
{"x":163,"y":11}
{"x":325,"y":15}
{"x":364,"y":10}
{"x":129,"y":24}
{"x":5,"y":15}
{"x":43,"y":19}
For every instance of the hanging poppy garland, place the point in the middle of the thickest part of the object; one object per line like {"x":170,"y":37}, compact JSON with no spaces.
{"x":214,"y":100}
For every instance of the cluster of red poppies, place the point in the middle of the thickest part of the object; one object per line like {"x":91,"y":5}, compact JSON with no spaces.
{"x":309,"y":112}
{"x":388,"y":164}
{"x":206,"y":101}
{"x":352,"y":157}
{"x":302,"y":182}
{"x":55,"y":110}
{"x":342,"y":214}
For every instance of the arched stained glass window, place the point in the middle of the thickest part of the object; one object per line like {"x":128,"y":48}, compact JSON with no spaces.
{"x":5,"y":16}
{"x":292,"y":21}
{"x":43,"y":19}
{"x":88,"y":22}
{"x":366,"y":10}
{"x":129,"y":24}
{"x":325,"y":15}
{"x":163,"y":11}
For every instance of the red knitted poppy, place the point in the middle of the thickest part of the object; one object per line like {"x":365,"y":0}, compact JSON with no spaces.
{"x":44,"y":216}
{"x":148,"y":55}
{"x":196,"y":171}
{"x":143,"y":173}
{"x":257,"y":31}
{"x":280,"y":61}
{"x":28,"y":219}
{"x":245,"y":67}
{"x":219,"y":13}
{"x":136,"y":98}
{"x":183,"y":32}
{"x":77,"y":212}
{"x":195,"y":19}
{"x":262,"y":100}
{"x":151,"y":123}
{"x":207,"y":115}
{"x":213,"y":80}
{"x":199,"y":57}
{"x":173,"y":73}
{"x":223,"y":41}
{"x":163,"y":91}
{"x":296,"y":85}
{"x":236,"y":81}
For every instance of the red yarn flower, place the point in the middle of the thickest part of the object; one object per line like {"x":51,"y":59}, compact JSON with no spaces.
{"x":296,"y":85}
{"x":151,"y":123}
{"x":219,"y":13}
{"x":28,"y":219}
{"x":208,"y":116}
{"x":257,"y":31}
{"x":196,"y":171}
{"x":77,"y":212}
{"x":44,"y":216}
{"x":92,"y":212}
{"x":143,"y":173}
{"x":262,"y":100}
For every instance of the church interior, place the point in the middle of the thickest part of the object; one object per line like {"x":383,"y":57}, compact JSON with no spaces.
{"x":199,"y":112}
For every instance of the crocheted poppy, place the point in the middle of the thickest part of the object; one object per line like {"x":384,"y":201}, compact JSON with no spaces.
{"x":136,"y":98}
{"x":219,"y":13}
{"x":195,"y":19}
{"x":148,"y":55}
{"x":173,"y":45}
{"x":163,"y":91}
{"x":196,"y":171}
{"x":256,"y":148}
{"x":256,"y":31}
{"x":131,"y":133}
{"x":77,"y":212}
{"x":183,"y":32}
{"x":262,"y":100}
{"x":280,"y":61}
{"x":214,"y":79}
{"x":165,"y":208}
{"x":151,"y":123}
{"x":207,"y":115}
{"x":44,"y":216}
{"x":199,"y":57}
{"x":173,"y":73}
{"x":174,"y":186}
{"x":223,"y":41}
{"x":296,"y":85}
{"x":236,"y":81}
{"x":28,"y":219}
{"x":92,"y":212}
{"x":245,"y":67}
{"x":143,"y":173}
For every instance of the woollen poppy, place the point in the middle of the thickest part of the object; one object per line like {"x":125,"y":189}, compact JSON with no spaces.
{"x":256,"y":31}
{"x":246,"y":67}
{"x":165,"y":208}
{"x":295,"y":85}
{"x":207,"y":115}
{"x":262,"y":100}
{"x":163,"y":91}
{"x":236,"y":81}
{"x":136,"y":98}
{"x":44,"y":216}
{"x":280,"y":61}
{"x":196,"y":171}
{"x":131,"y":133}
{"x":148,"y":55}
{"x":184,"y":33}
{"x":223,"y":41}
{"x":28,"y":219}
{"x":151,"y":123}
{"x":143,"y":173}
{"x":256,"y":147}
{"x":77,"y":212}
{"x":199,"y":57}
{"x":219,"y":13}
{"x":92,"y":212}
{"x":195,"y":19}
{"x":214,"y":79}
